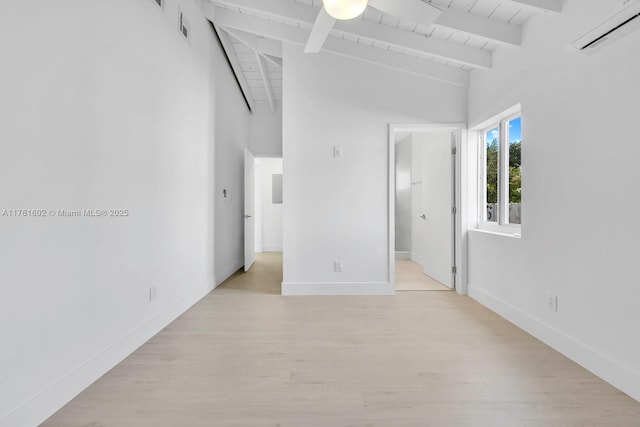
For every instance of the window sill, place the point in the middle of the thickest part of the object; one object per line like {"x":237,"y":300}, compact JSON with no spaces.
{"x":513,"y":232}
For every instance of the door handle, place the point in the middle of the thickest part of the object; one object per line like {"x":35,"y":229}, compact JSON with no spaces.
{"x":247,"y":216}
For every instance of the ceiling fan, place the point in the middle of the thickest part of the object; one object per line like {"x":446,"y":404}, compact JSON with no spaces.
{"x":333,"y":10}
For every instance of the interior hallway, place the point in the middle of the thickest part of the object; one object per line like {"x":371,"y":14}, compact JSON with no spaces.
{"x":264,"y":277}
{"x":244,"y":356}
{"x":410,"y":277}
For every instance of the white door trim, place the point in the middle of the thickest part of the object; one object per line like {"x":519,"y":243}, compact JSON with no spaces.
{"x":461,"y":190}
{"x":249,"y":209}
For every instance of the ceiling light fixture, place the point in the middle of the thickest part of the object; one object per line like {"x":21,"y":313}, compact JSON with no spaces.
{"x":345,"y":9}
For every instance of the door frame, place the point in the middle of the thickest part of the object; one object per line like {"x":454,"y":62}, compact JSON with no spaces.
{"x":249,"y":199}
{"x":460,"y":190}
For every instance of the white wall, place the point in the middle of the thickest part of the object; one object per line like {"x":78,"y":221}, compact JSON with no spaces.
{"x":403,"y":195}
{"x":266,"y":131}
{"x":580,"y":155}
{"x":231,"y":138}
{"x":269,"y":231}
{"x":104,"y":105}
{"x":337,"y":208}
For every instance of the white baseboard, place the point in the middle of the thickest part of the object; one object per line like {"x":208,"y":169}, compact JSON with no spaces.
{"x":400,"y":255}
{"x":54,"y":397}
{"x":272,"y":249}
{"x":228,"y":272}
{"x":300,"y":289}
{"x":610,"y":370}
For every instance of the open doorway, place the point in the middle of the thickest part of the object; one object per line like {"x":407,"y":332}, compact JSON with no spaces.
{"x":424,"y":172}
{"x":263,"y":214}
{"x":263,"y":219}
{"x":268,"y":205}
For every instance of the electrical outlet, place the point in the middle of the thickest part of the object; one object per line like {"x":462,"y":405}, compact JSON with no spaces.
{"x":337,"y":266}
{"x":552,"y":302}
{"x":153,"y":293}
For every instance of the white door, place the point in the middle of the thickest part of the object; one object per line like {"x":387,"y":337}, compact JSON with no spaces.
{"x":436,"y":219}
{"x":418,"y":240}
{"x":249,"y":210}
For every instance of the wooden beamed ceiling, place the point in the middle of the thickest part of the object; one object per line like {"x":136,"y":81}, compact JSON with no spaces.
{"x":460,"y":39}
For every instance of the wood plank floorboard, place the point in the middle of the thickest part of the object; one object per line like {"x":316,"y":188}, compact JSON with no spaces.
{"x":410,"y":277}
{"x":245,"y":356}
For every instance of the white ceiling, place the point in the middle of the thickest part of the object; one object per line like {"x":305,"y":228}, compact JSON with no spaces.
{"x":491,"y":9}
{"x":251,"y":69}
{"x":462,"y":39}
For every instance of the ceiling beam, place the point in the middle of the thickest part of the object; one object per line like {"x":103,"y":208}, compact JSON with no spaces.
{"x":267,"y":82}
{"x":374,"y":32}
{"x":298,"y":36}
{"x":253,"y":42}
{"x":413,"y":10}
{"x":274,"y":60}
{"x":417,"y":43}
{"x":235,"y":64}
{"x":540,"y":6}
{"x":479,"y":27}
{"x":321,"y":30}
{"x":473,"y":25}
{"x":257,"y":44}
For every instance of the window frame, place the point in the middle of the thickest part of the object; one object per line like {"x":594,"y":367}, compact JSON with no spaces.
{"x":502,"y":224}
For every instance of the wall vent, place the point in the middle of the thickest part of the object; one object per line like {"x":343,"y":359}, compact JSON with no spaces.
{"x":626,"y":21}
{"x":183,"y":26}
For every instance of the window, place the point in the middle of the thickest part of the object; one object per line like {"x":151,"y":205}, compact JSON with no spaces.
{"x":500,"y":171}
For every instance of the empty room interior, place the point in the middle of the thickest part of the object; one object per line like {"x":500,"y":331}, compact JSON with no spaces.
{"x":319,"y":213}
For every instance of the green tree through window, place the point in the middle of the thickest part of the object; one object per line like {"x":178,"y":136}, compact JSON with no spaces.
{"x":503,"y":171}
{"x":492,"y":171}
{"x":515,"y":179}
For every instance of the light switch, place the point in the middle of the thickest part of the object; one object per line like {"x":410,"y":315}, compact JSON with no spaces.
{"x":337,"y":151}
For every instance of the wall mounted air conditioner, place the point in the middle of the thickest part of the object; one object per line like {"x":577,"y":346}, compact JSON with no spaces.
{"x":614,"y":28}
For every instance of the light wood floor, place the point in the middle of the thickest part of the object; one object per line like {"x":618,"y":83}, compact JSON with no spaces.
{"x":410,"y":277}
{"x":244,"y":356}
